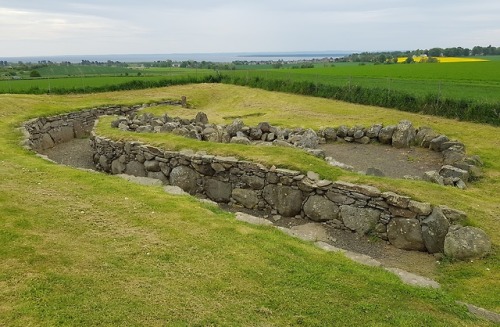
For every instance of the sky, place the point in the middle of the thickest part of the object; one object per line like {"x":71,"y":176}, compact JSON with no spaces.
{"x":77,"y":27}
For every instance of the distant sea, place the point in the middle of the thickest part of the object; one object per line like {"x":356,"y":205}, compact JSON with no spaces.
{"x":213,"y":57}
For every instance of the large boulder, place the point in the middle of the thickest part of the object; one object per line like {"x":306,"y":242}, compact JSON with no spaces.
{"x":405,"y":234}
{"x":434,"y":230}
{"x":373,"y":131}
{"x":361,"y":220}
{"x":285,"y":199}
{"x":217,"y":190}
{"x":185,"y":178}
{"x":247,"y":198}
{"x":240,"y":140}
{"x":329,"y":134}
{"x":467,"y":243}
{"x":404,"y":135}
{"x":317,"y":208}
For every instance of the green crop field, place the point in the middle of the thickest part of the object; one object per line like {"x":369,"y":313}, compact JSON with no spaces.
{"x":79,"y":248}
{"x":471,"y":80}
{"x":46,"y":85}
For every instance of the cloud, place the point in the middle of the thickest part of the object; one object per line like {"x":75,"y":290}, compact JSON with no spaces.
{"x":167,"y":26}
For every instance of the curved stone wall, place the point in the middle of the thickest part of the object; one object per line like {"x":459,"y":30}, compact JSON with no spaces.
{"x":405,"y":223}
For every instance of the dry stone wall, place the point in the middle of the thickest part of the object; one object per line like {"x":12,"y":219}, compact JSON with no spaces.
{"x":402,"y":221}
{"x":458,"y":168}
{"x":45,"y":132}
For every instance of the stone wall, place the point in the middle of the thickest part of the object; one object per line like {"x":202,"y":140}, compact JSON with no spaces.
{"x":457,"y":169}
{"x":45,"y":132}
{"x":405,"y":223}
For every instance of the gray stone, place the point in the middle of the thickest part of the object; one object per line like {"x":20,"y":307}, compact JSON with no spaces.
{"x":420,"y":208}
{"x":285,"y":199}
{"x":421,"y":134}
{"x":396,"y":199}
{"x":117,"y":167}
{"x":240,"y":140}
{"x":361,"y":220}
{"x":373,"y":131}
{"x":434,"y":230}
{"x":363,"y":140}
{"x":385,"y":134}
{"x":317,"y":208}
{"x":234,"y":127}
{"x":152,"y":165}
{"x":467,"y":243}
{"x":255,"y":182}
{"x":433,"y":177}
{"x":62,"y":134}
{"x":437,"y":142}
{"x":450,"y":171}
{"x":185,"y":178}
{"x":454,"y":216}
{"x":165,"y":169}
{"x":405,"y":234}
{"x":308,"y":140}
{"x":329,"y":134}
{"x":342,"y":131}
{"x":217,"y":190}
{"x":135,"y":168}
{"x":46,"y":141}
{"x":247,"y":198}
{"x":363,"y":189}
{"x":201,"y":117}
{"x":404,"y":135}
{"x":252,"y":219}
{"x":313,"y":176}
{"x":359,"y":133}
{"x":265,"y":127}
{"x":255,"y":134}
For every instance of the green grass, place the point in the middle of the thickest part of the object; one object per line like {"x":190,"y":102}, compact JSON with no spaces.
{"x":48,"y":84}
{"x":80,"y":249}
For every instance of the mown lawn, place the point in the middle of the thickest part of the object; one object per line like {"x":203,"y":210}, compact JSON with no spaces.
{"x":80,"y":248}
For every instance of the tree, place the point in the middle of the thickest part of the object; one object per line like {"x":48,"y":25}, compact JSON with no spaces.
{"x":409,"y":60}
{"x":35,"y":73}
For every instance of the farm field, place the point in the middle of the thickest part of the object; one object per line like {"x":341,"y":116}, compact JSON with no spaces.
{"x":462,"y":80}
{"x":79,"y":248}
{"x":46,"y":85}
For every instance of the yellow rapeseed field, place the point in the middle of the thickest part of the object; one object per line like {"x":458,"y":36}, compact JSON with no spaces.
{"x":443,"y":59}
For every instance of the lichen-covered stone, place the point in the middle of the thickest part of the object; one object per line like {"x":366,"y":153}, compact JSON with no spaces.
{"x":467,"y":243}
{"x":318,"y":208}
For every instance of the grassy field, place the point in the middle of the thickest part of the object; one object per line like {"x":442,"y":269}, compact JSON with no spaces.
{"x":463,"y":80}
{"x":79,"y":248}
{"x":93,"y":77}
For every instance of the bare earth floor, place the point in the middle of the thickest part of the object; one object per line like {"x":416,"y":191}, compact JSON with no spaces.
{"x":394,"y":162}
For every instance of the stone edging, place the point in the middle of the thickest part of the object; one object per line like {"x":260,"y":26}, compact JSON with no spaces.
{"x":405,"y":223}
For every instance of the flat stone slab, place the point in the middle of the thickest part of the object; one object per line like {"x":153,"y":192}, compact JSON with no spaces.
{"x":141,"y":180}
{"x":174,"y":190}
{"x":482,"y":313}
{"x":412,"y":279}
{"x":310,"y":232}
{"x":252,"y":219}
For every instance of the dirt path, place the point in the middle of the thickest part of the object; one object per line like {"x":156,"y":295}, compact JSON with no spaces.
{"x":392,"y":162}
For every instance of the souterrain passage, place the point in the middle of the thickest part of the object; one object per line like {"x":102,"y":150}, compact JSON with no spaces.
{"x":78,"y":153}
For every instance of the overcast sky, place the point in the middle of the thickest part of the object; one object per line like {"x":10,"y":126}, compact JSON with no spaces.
{"x":61,"y":27}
